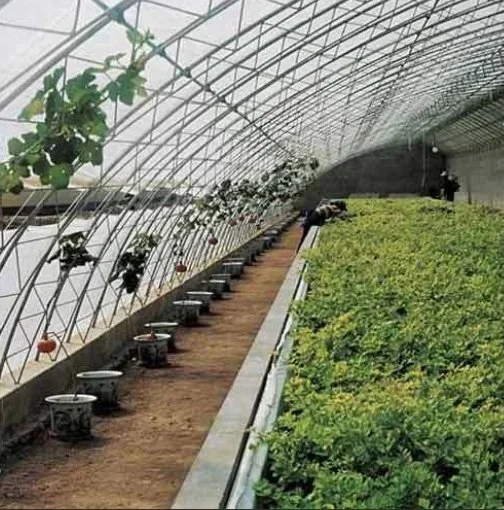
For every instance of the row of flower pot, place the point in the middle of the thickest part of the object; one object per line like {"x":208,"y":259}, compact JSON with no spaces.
{"x":71,"y":414}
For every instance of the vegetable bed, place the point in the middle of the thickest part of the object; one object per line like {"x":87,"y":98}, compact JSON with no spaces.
{"x":396,"y":391}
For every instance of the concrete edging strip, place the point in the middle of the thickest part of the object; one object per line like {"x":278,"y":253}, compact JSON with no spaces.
{"x":210,"y":478}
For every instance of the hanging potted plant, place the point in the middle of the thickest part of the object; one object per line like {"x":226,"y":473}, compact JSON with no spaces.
{"x":180,"y":267}
{"x":132,"y":263}
{"x":46,"y":345}
{"x":72,"y":252}
{"x":212,"y":240}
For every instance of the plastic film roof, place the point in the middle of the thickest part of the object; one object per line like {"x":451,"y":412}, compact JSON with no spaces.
{"x":234,"y":87}
{"x":320,"y":76}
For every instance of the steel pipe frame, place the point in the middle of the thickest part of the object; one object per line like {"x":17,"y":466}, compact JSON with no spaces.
{"x":70,"y":329}
{"x":146,"y":100}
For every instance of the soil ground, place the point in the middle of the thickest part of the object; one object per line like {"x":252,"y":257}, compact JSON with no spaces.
{"x":139,"y":456}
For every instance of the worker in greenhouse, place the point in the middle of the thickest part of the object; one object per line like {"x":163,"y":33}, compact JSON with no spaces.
{"x":340,"y":204}
{"x":318,"y":217}
{"x":311,"y":217}
{"x":449,"y":186}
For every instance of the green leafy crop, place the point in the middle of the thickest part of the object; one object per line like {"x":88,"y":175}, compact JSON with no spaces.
{"x":395,"y":397}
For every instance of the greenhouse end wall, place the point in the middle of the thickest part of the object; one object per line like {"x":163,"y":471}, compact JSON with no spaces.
{"x":384,"y":171}
{"x":480,"y":175}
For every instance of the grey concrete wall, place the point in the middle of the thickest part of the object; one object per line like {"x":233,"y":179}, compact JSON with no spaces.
{"x":481,"y":177}
{"x":384,"y":171}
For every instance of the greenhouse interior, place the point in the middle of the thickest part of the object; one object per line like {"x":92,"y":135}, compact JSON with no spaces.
{"x":252,"y":254}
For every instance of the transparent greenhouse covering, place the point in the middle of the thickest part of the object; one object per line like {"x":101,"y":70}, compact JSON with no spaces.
{"x":233,"y":87}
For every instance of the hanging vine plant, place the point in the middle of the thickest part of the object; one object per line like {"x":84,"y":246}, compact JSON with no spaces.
{"x":233,"y":202}
{"x":133,"y":262}
{"x":72,"y":252}
{"x":71,"y":125}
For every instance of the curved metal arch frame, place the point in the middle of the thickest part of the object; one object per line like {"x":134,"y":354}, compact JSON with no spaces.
{"x":289,"y":110}
{"x":70,"y":330}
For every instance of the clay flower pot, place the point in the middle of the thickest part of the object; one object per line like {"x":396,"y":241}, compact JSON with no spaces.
{"x":168,"y":328}
{"x":235,"y":269}
{"x":187,"y":311}
{"x":216,"y":286}
{"x":223,"y":276}
{"x":201,"y":295}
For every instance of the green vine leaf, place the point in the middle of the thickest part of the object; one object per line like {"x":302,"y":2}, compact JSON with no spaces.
{"x":91,"y":152}
{"x":9,"y":180}
{"x":35,"y":107}
{"x":135,"y":37}
{"x":15,"y":146}
{"x":51,"y":80}
{"x":60,"y":176}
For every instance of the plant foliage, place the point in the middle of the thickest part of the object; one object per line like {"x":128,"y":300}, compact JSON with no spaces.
{"x":230,"y":199}
{"x":72,"y":252}
{"x":70,"y":122}
{"x":132,"y":263}
{"x":395,"y":397}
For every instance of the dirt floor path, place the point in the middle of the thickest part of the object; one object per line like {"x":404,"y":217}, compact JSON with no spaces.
{"x":140,"y":456}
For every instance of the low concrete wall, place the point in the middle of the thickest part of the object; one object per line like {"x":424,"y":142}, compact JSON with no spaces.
{"x":385,"y":171}
{"x":44,"y":378}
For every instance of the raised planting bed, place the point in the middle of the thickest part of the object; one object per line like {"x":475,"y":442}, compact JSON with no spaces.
{"x":395,"y":393}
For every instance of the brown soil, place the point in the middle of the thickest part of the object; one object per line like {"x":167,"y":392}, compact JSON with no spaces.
{"x":139,"y":456}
